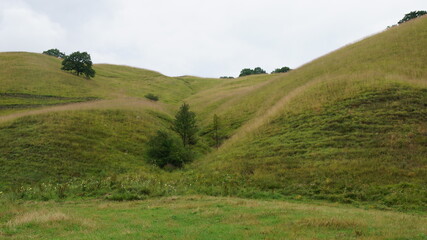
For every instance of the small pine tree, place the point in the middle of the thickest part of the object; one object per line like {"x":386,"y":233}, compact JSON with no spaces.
{"x":185,"y":125}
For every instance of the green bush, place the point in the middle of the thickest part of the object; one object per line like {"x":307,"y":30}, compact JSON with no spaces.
{"x":152,"y":97}
{"x":166,"y":151}
{"x":282,"y":70}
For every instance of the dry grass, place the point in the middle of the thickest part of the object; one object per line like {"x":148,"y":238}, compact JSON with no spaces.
{"x":37,"y":217}
{"x":333,"y":223}
{"x":115,"y":104}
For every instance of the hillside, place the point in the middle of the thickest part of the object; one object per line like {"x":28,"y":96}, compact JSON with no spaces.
{"x":349,"y":127}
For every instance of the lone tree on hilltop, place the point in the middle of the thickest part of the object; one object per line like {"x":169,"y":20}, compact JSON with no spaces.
{"x":79,"y":63}
{"x":412,"y":15}
{"x":55,"y":53}
{"x":185,"y":125}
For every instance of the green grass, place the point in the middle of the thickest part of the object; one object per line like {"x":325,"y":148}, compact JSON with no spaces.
{"x":196,"y":217}
{"x":366,"y":148}
{"x":349,"y":127}
{"x":74,"y":144}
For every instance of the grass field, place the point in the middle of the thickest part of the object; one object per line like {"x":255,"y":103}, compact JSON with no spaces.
{"x":198,"y":217}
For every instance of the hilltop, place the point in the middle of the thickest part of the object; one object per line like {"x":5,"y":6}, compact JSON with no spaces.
{"x":348,"y":127}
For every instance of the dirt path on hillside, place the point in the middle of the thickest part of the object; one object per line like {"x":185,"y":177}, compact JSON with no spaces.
{"x":266,"y":116}
{"x":122,"y":103}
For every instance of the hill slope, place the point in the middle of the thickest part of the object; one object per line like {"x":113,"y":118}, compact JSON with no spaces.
{"x":349,"y":126}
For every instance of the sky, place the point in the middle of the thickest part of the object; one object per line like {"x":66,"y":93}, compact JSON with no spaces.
{"x":196,"y":37}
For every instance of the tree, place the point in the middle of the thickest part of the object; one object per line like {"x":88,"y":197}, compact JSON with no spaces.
{"x":55,"y":53}
{"x":412,"y":15}
{"x":185,"y":125}
{"x":164,"y":149}
{"x":79,"y":63}
{"x":259,"y":70}
{"x":248,"y":71}
{"x":281,"y":70}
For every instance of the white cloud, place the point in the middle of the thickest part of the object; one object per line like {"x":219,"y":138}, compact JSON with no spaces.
{"x":22,"y":29}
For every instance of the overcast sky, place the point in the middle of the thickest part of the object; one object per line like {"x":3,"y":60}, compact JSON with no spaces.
{"x":196,"y":37}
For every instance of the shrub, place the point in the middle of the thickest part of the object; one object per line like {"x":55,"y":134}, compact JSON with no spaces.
{"x":152,"y":97}
{"x":164,"y":149}
{"x":282,"y":70}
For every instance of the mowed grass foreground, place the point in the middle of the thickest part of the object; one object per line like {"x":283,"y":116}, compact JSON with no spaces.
{"x":198,"y":217}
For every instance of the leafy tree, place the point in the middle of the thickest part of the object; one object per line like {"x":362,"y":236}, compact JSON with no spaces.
{"x":412,"y":15}
{"x":248,"y":71}
{"x":185,"y":125}
{"x":55,"y":53}
{"x":164,"y":149}
{"x":79,"y":63}
{"x":259,"y":70}
{"x":227,"y":77}
{"x":282,"y":70}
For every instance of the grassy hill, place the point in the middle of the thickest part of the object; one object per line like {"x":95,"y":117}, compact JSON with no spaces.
{"x":349,"y":127}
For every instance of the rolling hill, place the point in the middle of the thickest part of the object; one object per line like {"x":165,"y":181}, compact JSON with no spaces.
{"x":349,"y":127}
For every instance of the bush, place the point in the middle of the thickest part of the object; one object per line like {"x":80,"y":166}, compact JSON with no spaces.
{"x":164,"y":149}
{"x":282,"y":70}
{"x":152,"y":97}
